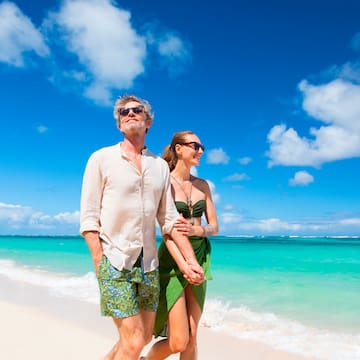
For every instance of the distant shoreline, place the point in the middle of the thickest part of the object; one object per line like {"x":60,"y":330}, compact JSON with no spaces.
{"x":213,"y":237}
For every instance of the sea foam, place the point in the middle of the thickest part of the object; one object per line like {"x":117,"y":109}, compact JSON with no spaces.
{"x":280,"y":333}
{"x":83,"y":287}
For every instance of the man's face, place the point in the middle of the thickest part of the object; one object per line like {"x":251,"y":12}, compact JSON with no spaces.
{"x":133,"y":118}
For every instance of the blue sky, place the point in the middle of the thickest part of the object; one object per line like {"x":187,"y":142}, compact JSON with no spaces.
{"x":272,"y":88}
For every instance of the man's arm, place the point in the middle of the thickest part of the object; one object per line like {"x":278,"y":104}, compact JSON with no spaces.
{"x":90,"y":204}
{"x":193,"y":271}
{"x":94,"y":244}
{"x":179,"y":234}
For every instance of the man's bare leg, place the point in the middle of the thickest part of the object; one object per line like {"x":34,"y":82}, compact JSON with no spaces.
{"x":134,"y":333}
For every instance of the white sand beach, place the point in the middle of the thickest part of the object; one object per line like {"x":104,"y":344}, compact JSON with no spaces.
{"x":38,"y":326}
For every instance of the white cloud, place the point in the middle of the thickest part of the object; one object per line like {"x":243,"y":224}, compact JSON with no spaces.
{"x":337,"y":104}
{"x":349,"y":71}
{"x":217,"y":156}
{"x":18,"y":36}
{"x":25,"y":220}
{"x":350,"y":221}
{"x":301,"y":178}
{"x":229,"y":207}
{"x":106,"y":45}
{"x":272,"y":225}
{"x":67,"y":217}
{"x":171,"y":46}
{"x":95,"y":49}
{"x":233,"y":223}
{"x":229,"y":217}
{"x":110,"y":52}
{"x":15,"y":214}
{"x":237,"y":177}
{"x":245,"y":160}
{"x":42,"y":129}
{"x":175,"y":53}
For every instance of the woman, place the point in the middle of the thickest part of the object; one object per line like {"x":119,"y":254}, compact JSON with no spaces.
{"x":181,"y":304}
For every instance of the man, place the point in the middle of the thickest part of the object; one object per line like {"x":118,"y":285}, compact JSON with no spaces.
{"x":125,"y":190}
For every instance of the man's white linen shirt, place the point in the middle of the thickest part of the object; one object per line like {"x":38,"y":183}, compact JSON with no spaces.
{"x":123,"y":204}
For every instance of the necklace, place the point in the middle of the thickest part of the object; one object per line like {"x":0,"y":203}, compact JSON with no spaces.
{"x":188,"y":197}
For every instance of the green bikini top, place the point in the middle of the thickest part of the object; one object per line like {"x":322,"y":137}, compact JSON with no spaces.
{"x":197,"y":209}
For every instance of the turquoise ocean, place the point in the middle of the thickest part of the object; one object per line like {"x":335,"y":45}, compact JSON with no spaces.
{"x":300,"y":294}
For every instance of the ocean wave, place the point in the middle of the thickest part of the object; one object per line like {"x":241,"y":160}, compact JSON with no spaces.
{"x":83,"y":287}
{"x":280,"y":333}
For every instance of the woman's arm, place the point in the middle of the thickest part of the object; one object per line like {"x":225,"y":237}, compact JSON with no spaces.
{"x":212,"y":227}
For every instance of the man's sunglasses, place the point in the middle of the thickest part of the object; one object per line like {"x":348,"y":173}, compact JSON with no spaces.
{"x":135,"y":110}
{"x":195,"y":145}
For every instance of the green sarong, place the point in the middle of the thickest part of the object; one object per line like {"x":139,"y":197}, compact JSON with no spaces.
{"x":173,"y":283}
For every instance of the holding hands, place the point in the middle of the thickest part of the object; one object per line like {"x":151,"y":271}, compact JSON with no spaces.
{"x":193,"y":272}
{"x":191,"y":269}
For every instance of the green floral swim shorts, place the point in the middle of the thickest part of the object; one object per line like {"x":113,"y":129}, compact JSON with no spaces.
{"x":124,"y":292}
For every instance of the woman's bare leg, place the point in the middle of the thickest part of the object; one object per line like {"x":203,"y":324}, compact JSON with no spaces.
{"x":178,"y":327}
{"x":194,"y":315}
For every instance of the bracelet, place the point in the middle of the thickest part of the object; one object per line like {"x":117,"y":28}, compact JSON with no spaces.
{"x":208,"y":229}
{"x":204,"y":231}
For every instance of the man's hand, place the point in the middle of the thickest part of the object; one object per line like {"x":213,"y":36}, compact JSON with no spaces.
{"x":97,"y":262}
{"x":94,"y":244}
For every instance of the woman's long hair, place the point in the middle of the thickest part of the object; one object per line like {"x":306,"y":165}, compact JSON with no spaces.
{"x":169,"y":153}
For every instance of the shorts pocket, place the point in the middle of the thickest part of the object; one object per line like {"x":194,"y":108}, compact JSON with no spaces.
{"x":103,"y":262}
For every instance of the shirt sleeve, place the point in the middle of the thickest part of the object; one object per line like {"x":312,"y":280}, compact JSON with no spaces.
{"x":91,"y":195}
{"x":167,"y":213}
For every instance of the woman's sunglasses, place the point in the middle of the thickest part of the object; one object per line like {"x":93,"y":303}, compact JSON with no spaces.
{"x":135,"y":110}
{"x":195,"y":145}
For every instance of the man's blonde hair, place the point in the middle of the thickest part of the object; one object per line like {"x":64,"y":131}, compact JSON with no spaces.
{"x":123,"y":100}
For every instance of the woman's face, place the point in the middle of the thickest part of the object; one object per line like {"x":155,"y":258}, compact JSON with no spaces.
{"x":190,"y":150}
